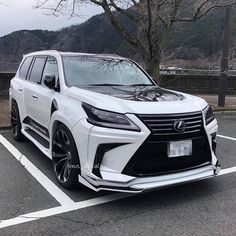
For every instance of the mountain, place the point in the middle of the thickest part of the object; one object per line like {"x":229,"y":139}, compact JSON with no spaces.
{"x":194,"y":41}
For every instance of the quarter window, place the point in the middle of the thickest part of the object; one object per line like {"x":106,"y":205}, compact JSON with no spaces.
{"x":37,"y":70}
{"x":25,"y":68}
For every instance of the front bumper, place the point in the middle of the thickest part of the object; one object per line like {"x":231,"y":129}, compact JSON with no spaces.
{"x":111,"y":176}
{"x":137,"y":185}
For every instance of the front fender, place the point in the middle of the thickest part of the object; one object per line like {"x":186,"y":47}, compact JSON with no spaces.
{"x":69,"y":114}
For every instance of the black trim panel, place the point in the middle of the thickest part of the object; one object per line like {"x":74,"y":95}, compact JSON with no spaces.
{"x":151,"y":159}
{"x":101,"y":150}
{"x":54,"y":106}
{"x":43,"y":130}
{"x":38,"y":138}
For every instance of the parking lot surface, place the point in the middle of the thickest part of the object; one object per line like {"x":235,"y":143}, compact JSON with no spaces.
{"x":32,"y":203}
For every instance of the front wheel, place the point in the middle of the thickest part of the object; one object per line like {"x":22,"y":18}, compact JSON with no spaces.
{"x":65,"y":157}
{"x":15,"y":122}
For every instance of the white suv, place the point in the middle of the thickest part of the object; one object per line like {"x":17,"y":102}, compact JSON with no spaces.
{"x":106,"y":124}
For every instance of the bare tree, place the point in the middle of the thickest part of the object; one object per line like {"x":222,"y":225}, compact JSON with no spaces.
{"x":153,"y":20}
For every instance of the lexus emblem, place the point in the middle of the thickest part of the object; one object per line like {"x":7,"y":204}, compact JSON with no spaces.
{"x":180,"y":126}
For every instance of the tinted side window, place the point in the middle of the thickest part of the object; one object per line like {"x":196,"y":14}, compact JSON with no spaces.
{"x":51,"y":67}
{"x":25,"y":68}
{"x":37,"y":70}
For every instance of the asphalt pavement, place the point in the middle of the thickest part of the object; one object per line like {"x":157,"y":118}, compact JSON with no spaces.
{"x":32,"y":205}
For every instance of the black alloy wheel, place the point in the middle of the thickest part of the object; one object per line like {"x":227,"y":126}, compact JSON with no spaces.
{"x":65,"y":157}
{"x":15,"y":122}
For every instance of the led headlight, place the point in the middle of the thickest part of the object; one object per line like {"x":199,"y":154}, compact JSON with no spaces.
{"x":209,"y":116}
{"x":108,"y":119}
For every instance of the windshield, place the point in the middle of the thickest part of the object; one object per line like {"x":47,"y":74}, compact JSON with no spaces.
{"x":97,"y":71}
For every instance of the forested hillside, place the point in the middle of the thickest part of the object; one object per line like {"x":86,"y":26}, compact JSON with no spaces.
{"x":200,"y":42}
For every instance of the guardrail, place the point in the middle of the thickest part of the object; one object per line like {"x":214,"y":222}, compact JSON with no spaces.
{"x":205,"y":84}
{"x":197,"y":83}
{"x":199,"y":72}
{"x":5,"y":78}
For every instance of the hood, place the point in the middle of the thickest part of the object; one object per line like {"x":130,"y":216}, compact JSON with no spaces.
{"x":138,"y":93}
{"x":142,"y":100}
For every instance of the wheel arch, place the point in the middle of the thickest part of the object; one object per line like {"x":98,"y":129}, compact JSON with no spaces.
{"x":12,"y":100}
{"x":56,"y":123}
{"x":68,"y":113}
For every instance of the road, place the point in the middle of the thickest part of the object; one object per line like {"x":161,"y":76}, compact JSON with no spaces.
{"x":32,"y":203}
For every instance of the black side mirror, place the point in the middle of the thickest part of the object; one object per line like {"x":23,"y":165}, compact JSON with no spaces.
{"x":50,"y":81}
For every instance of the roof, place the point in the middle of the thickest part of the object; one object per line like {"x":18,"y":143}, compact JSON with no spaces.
{"x":55,"y":52}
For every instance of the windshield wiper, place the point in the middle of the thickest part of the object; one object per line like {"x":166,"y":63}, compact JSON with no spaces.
{"x":105,"y":84}
{"x":142,"y":85}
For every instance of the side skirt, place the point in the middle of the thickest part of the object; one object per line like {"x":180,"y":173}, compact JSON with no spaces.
{"x":41,"y":143}
{"x":35,"y":125}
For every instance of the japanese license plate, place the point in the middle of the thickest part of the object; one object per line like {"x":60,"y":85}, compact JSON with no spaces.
{"x":179,"y":148}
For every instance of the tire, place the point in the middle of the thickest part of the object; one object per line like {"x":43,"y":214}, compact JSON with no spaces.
{"x":65,"y":158}
{"x":15,"y":122}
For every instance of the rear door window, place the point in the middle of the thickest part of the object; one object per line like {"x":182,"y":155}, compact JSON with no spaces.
{"x":25,"y":68}
{"x":37,"y":70}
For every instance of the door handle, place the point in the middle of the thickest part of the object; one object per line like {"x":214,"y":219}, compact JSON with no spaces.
{"x":20,"y":90}
{"x":35,"y":97}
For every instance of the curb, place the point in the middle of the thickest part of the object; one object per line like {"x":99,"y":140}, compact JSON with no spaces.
{"x":225,"y":111}
{"x":2,"y":128}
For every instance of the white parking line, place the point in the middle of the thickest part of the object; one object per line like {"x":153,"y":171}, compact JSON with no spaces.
{"x":76,"y":206}
{"x":67,"y":204}
{"x":226,"y":137}
{"x":228,"y":171}
{"x":54,"y":191}
{"x":62,"y":209}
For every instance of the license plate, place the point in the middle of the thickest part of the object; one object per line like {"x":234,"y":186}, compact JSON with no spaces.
{"x":180,"y":148}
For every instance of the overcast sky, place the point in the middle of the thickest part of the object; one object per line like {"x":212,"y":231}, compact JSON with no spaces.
{"x":20,"y":14}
